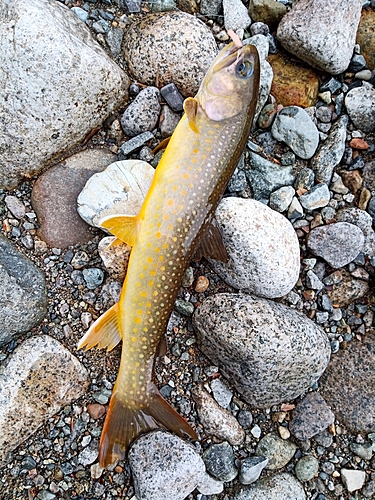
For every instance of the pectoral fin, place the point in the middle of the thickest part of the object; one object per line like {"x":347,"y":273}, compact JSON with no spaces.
{"x":191,"y":108}
{"x":124,"y":227}
{"x":104,"y":332}
{"x":211,"y":244}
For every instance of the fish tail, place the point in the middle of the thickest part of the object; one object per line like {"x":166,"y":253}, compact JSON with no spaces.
{"x":125,"y":421}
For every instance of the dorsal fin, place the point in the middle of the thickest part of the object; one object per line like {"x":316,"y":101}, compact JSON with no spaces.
{"x":211,"y":244}
{"x":124,"y":227}
{"x":191,"y":108}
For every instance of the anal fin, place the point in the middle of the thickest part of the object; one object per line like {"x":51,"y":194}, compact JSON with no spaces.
{"x":211,"y":244}
{"x":124,"y":227}
{"x":104,"y":332}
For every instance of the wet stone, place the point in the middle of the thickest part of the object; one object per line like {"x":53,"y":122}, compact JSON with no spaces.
{"x":278,"y":451}
{"x":220,"y":461}
{"x":311,"y":416}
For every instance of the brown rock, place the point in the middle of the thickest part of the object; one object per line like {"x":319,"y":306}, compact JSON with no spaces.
{"x":369,"y":175}
{"x":366,"y":36}
{"x":95,"y":410}
{"x":352,"y":180}
{"x":348,"y":385}
{"x":347,"y":290}
{"x":267,"y":11}
{"x":54,"y":197}
{"x":293,"y":84}
{"x":202,"y":284}
{"x":189,"y":6}
{"x":364,"y":198}
{"x":358,"y":143}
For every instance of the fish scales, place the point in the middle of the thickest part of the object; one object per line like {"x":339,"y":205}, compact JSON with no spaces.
{"x":176,"y":217}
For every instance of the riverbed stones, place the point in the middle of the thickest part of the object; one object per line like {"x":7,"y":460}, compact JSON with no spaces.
{"x":307,"y":32}
{"x":262,"y":246}
{"x":23,"y":294}
{"x":360,"y":104}
{"x":62,"y":104}
{"x":54,"y":197}
{"x":348,"y":385}
{"x":152,"y":479}
{"x":269,"y":352}
{"x":278,"y":451}
{"x":143,"y":113}
{"x":283,"y":486}
{"x":338,"y":243}
{"x":36,"y":381}
{"x":311,"y":416}
{"x":151,"y":53}
{"x":120,"y":189}
{"x":294,"y":126}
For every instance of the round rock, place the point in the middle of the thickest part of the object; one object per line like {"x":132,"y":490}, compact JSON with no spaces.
{"x":163,"y":46}
{"x":338,"y":244}
{"x":306,"y":468}
{"x":270,"y":352}
{"x":120,"y":189}
{"x":295,"y":127}
{"x":282,"y":486}
{"x":143,"y":113}
{"x":263,"y":255}
{"x":360,"y":104}
{"x":278,"y":451}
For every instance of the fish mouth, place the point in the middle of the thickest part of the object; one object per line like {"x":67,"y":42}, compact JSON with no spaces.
{"x":232,"y":54}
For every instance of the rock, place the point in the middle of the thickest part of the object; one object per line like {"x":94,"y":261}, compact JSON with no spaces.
{"x":278,"y":451}
{"x":313,"y":282}
{"x":317,"y":197}
{"x":60,"y":112}
{"x":93,"y":277}
{"x":15,"y":206}
{"x":54,"y":197}
{"x":172,"y":97}
{"x":365,"y":36}
{"x":119,"y":189}
{"x":23,"y":294}
{"x":321,"y":34}
{"x":265,"y":176}
{"x":211,"y":8}
{"x":152,"y":479}
{"x":364,"y":451}
{"x":36,"y":381}
{"x":306,"y":468}
{"x":338,"y":243}
{"x":221,"y":392}
{"x":236,"y":16}
{"x":294,"y":126}
{"x":220,"y":461}
{"x":330,"y":152}
{"x":360,"y":103}
{"x":142,"y":114}
{"x":96,"y":410}
{"x":353,"y":479}
{"x":216,"y":420}
{"x":282,"y":198}
{"x":162,"y":5}
{"x":267,"y":11}
{"x":361,"y":219}
{"x":352,"y":179}
{"x":263,"y":257}
{"x":348,"y":385}
{"x":115,"y":258}
{"x":311,"y":416}
{"x":134,"y":144}
{"x":303,"y":92}
{"x":346,"y":289}
{"x":151,"y":54}
{"x":295,"y":210}
{"x":168,"y":121}
{"x":269,"y":352}
{"x":282,"y":486}
{"x":114,"y":38}
{"x":251,"y":469}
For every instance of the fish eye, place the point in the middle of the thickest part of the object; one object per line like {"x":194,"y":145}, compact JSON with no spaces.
{"x":244,"y":69}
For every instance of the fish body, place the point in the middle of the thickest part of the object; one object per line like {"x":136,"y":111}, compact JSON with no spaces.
{"x":175,"y":223}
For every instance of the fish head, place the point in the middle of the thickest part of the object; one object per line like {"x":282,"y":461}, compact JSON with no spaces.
{"x":231,"y":85}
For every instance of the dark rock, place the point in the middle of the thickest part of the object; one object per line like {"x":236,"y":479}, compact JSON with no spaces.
{"x":310,"y":417}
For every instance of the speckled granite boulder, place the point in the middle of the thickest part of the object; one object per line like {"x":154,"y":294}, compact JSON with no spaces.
{"x":185,"y":470}
{"x":282,"y":486}
{"x":164,"y":45}
{"x":321,"y":33}
{"x":36,"y":381}
{"x":348,"y":385}
{"x":262,"y":246}
{"x":50,"y":104}
{"x":23,"y":294}
{"x":268,"y":351}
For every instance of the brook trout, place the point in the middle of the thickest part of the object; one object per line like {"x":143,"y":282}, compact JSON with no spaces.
{"x":176,"y":223}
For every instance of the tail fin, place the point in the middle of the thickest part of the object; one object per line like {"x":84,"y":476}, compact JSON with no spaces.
{"x":125,"y":422}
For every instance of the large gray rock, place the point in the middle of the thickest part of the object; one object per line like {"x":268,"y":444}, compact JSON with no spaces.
{"x":36,"y":381}
{"x":49,"y":104}
{"x":184,"y":472}
{"x":23,"y":294}
{"x":282,"y":486}
{"x":321,"y":33}
{"x":263,"y":248}
{"x":268,"y":351}
{"x":151,"y":53}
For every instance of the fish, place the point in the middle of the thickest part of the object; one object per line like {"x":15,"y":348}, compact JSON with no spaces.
{"x":175,"y":225}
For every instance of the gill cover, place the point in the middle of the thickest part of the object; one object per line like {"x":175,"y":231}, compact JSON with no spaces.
{"x":232,"y":81}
